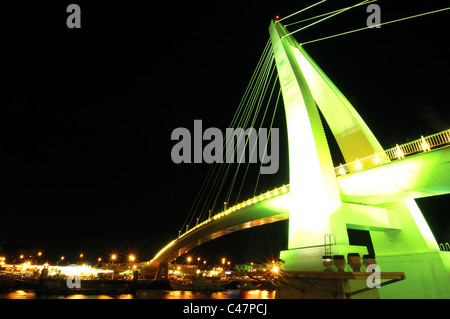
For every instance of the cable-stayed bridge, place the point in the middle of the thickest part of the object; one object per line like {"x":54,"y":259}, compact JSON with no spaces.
{"x":373,"y":191}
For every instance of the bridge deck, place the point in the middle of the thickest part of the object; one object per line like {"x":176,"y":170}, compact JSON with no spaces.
{"x":264,"y":212}
{"x":421,"y":175}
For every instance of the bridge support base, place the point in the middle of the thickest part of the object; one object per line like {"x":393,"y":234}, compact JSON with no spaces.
{"x":310,"y":258}
{"x":333,"y":285}
{"x":163,"y":272}
{"x":316,"y":288}
{"x":427,"y":275}
{"x":294,"y":288}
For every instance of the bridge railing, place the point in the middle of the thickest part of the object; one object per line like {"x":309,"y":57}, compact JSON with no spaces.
{"x":230,"y":210}
{"x":424,"y":144}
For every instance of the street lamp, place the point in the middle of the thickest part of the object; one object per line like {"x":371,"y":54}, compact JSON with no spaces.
{"x":275,"y":271}
{"x":60,"y":260}
{"x":131,"y":258}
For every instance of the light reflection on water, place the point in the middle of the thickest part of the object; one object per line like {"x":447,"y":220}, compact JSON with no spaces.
{"x":148,"y":294}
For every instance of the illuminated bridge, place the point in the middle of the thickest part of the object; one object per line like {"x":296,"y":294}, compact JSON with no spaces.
{"x":408,"y":171}
{"x":373,"y":191}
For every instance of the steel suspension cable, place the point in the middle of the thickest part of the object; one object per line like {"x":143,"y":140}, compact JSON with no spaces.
{"x":244,"y":123}
{"x":246,"y":142}
{"x":259,"y":106}
{"x":267,"y":142}
{"x":245,"y":113}
{"x":302,"y":10}
{"x":328,"y":17}
{"x":375,"y":25}
{"x":212,"y":168}
{"x":328,"y":13}
{"x":257,"y":138}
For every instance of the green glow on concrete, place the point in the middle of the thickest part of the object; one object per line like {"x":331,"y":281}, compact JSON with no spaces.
{"x":378,"y":199}
{"x":422,"y":224}
{"x":353,"y":136}
{"x":308,"y":149}
{"x":422,"y":175}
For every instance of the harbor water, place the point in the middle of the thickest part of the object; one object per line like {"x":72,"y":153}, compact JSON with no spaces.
{"x":146,"y":294}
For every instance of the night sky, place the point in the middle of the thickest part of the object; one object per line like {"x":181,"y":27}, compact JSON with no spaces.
{"x":86,"y":114}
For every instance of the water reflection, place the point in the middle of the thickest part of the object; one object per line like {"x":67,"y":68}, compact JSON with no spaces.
{"x":18,"y":294}
{"x":258,"y":294}
{"x":149,"y":294}
{"x":228,"y":294}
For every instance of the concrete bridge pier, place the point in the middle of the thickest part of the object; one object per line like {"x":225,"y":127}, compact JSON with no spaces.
{"x":163,"y":271}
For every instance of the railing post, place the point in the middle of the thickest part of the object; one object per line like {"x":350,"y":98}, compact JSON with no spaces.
{"x":398,"y":152}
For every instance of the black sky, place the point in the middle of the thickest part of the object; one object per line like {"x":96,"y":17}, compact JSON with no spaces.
{"x":86,"y":114}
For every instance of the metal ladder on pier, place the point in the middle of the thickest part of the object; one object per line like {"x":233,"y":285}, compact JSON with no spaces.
{"x":329,"y":241}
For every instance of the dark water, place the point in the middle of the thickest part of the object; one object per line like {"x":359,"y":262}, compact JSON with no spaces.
{"x":147,"y":294}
